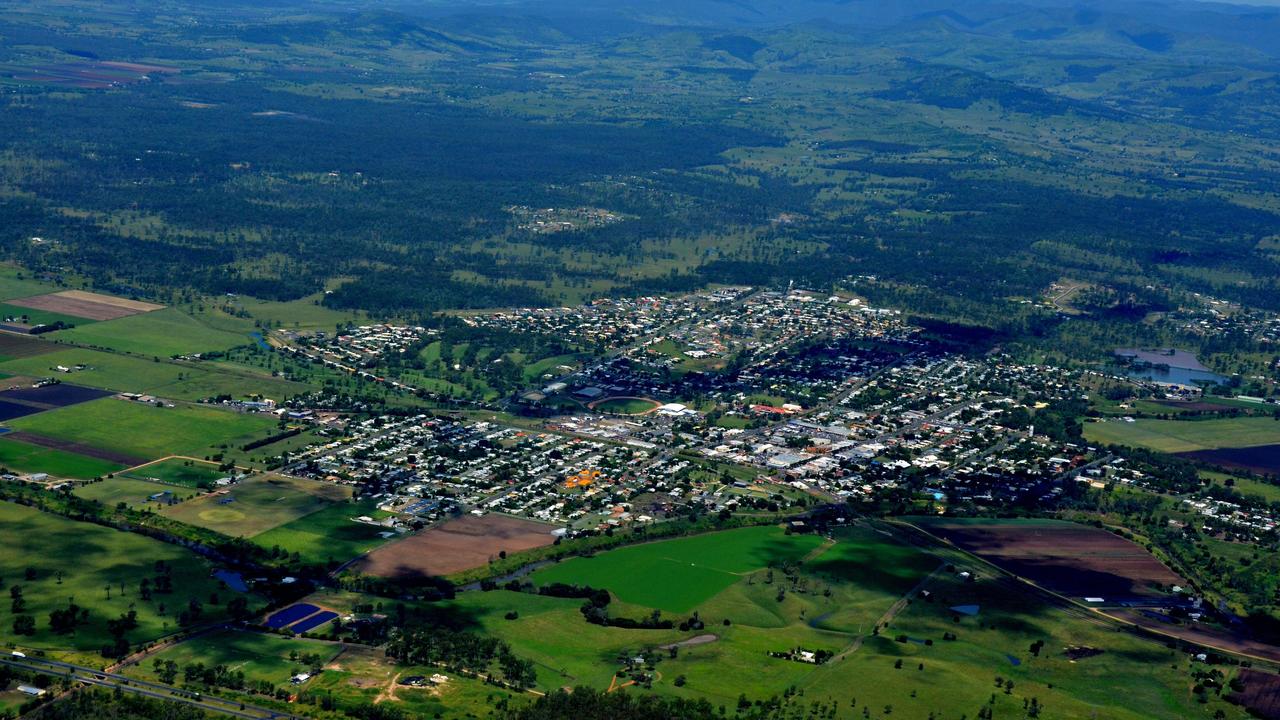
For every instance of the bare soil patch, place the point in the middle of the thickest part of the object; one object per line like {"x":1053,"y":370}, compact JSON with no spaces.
{"x":91,"y":306}
{"x":1074,"y":560}
{"x":74,"y":447}
{"x":1261,"y":694}
{"x":461,"y":544}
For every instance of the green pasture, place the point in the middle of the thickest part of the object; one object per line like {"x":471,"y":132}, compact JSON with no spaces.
{"x":23,"y":457}
{"x":133,"y":493}
{"x":329,"y":534}
{"x":147,"y":431}
{"x":89,"y":565}
{"x":36,"y":316}
{"x":260,"y":656}
{"x":1173,"y":436}
{"x":678,"y":575}
{"x":257,"y":504}
{"x":178,"y":471}
{"x":162,"y":333}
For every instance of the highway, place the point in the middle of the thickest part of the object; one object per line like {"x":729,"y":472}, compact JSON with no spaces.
{"x":99,"y":678}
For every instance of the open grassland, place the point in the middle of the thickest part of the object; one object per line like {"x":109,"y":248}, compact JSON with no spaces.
{"x":258,"y":504}
{"x":162,"y":333}
{"x":133,"y":493}
{"x":147,"y":431}
{"x":260,"y":656}
{"x":125,"y":373}
{"x":17,"y":283}
{"x":178,"y":471}
{"x":1174,"y":436}
{"x":678,"y":575}
{"x":833,"y":600}
{"x":22,"y":457}
{"x":99,"y":569}
{"x":329,"y":535}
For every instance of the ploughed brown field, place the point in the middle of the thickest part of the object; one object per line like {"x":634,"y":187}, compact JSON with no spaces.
{"x":1262,"y":459}
{"x":91,"y":306}
{"x":1261,"y":693}
{"x":1074,"y":560}
{"x":77,"y":448}
{"x":461,"y":544}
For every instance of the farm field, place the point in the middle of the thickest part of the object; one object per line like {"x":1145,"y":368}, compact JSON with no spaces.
{"x":23,"y":457}
{"x":17,"y":283}
{"x":146,"y":431}
{"x":257,"y":504}
{"x":460,"y":544}
{"x":831,"y":603}
{"x":328,"y":535}
{"x":35,"y":316}
{"x":125,"y":373}
{"x":1262,"y":459}
{"x":133,"y":493}
{"x":85,"y":305}
{"x":67,"y":559}
{"x":162,"y":333}
{"x":178,"y":471}
{"x":1068,"y":558}
{"x":14,"y":347}
{"x":1179,"y":436}
{"x":691,"y":570}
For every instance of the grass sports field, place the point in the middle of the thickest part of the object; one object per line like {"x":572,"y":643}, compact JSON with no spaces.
{"x":258,"y":504}
{"x":21,"y":457}
{"x":328,"y":535}
{"x":1174,"y":436}
{"x":133,"y":493}
{"x":178,"y":471}
{"x":625,"y":406}
{"x":679,"y":575}
{"x":79,"y":561}
{"x":147,"y":431}
{"x":164,"y":333}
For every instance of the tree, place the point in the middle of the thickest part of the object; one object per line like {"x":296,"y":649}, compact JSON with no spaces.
{"x":24,"y":625}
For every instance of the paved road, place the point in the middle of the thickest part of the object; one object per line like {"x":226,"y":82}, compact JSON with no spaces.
{"x":100,"y":678}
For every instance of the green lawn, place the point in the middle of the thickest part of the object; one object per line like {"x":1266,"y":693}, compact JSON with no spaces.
{"x":22,"y":457}
{"x":328,"y":535}
{"x":625,"y":406}
{"x":147,"y":431}
{"x":176,"y":471}
{"x":258,"y":504}
{"x":161,"y":333}
{"x":76,"y":562}
{"x":133,"y":493}
{"x":678,"y":575}
{"x":1174,"y":436}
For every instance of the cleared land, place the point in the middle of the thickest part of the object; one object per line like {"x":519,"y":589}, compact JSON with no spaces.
{"x":679,"y":575}
{"x":24,"y":457}
{"x":145,"y":431}
{"x":258,"y":504}
{"x":457,"y":545}
{"x":1263,"y":459}
{"x":164,"y":332}
{"x":261,"y":657}
{"x":1075,"y":560}
{"x":14,"y":346}
{"x":101,"y":569}
{"x":81,"y":304}
{"x":1177,"y":436}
